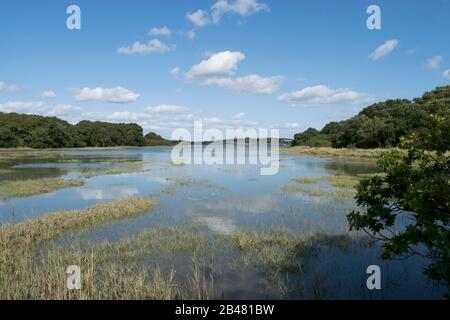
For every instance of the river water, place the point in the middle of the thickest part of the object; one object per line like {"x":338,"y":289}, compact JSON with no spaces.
{"x":226,"y":199}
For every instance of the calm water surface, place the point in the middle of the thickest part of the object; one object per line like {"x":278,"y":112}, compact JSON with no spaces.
{"x":226,"y":199}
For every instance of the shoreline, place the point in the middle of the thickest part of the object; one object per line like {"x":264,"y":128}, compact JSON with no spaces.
{"x":26,"y":149}
{"x":343,"y":153}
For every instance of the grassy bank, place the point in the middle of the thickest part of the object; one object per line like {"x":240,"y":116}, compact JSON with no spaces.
{"x":30,"y":271}
{"x":25,"y":188}
{"x":332,"y":152}
{"x":52,"y":225}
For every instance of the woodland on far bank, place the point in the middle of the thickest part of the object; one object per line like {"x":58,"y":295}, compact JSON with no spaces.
{"x":39,"y":132}
{"x":382,"y":125}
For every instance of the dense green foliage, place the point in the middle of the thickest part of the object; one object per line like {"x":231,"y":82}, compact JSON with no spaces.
{"x":312,"y":138}
{"x":19,"y":130}
{"x":153,"y":139}
{"x":382,"y":124}
{"x":409,"y":208}
{"x":103,"y":134}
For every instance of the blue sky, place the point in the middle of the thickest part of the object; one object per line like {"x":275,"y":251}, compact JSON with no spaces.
{"x":252,"y":63}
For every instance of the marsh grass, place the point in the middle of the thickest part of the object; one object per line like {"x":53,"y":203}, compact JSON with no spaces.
{"x":25,"y":188}
{"x":126,"y":163}
{"x":160,"y":263}
{"x":90,"y":173}
{"x":343,"y":181}
{"x":28,"y":273}
{"x":118,"y":270}
{"x":307,"y":180}
{"x":9,"y":155}
{"x":344,"y":185}
{"x":183,"y":182}
{"x":51,"y":225}
{"x":344,"y":152}
{"x":337,"y":194}
{"x":274,"y":250}
{"x":14,"y":185}
{"x":284,"y":257}
{"x":43,"y":276}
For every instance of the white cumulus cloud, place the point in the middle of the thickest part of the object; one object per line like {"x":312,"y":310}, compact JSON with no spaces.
{"x":163,"y":32}
{"x":239,"y":7}
{"x":218,"y":64}
{"x":248,"y":84}
{"x":113,"y":95}
{"x":322,"y":94}
{"x":384,"y":49}
{"x":153,"y":46}
{"x":39,"y":108}
{"x":199,"y":18}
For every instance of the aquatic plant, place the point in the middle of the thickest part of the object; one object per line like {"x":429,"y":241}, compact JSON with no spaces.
{"x":25,"y":188}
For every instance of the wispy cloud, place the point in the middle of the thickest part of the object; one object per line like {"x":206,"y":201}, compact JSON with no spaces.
{"x":166,"y":108}
{"x":238,"y":116}
{"x":248,"y":84}
{"x":201,"y":18}
{"x":384,"y":49}
{"x":49,"y":94}
{"x":8,"y":87}
{"x":153,"y":46}
{"x":446,"y":74}
{"x":434,"y":62}
{"x":322,"y":94}
{"x":175,"y":72}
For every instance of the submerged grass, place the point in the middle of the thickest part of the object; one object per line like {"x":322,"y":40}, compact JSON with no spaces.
{"x":183,"y":182}
{"x":29,"y":273}
{"x":52,"y":225}
{"x":134,"y":268}
{"x":343,"y":185}
{"x":343,"y":181}
{"x":274,"y":250}
{"x":338,"y":194}
{"x":307,"y":180}
{"x":90,"y":173}
{"x":16,"y":183}
{"x":25,"y":188}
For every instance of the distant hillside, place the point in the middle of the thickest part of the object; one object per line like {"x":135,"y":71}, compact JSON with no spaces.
{"x":20,"y":130}
{"x":153,"y":139}
{"x":382,"y":124}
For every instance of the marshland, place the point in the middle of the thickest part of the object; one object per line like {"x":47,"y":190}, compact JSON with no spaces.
{"x":142,"y":227}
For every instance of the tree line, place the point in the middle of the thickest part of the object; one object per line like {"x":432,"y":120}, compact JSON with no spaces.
{"x":39,"y":132}
{"x":382,"y":124}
